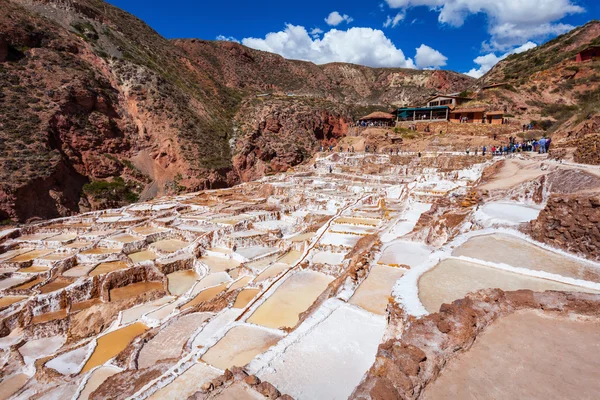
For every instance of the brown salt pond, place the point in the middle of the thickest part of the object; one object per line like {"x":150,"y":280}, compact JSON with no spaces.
{"x":205,"y":295}
{"x":219,"y":264}
{"x":374,"y":292}
{"x":293,"y":297}
{"x":105,"y":268}
{"x":30,"y":284}
{"x":34,"y":269}
{"x":51,"y":316}
{"x":453,"y":279}
{"x":111,"y":344}
{"x":29,"y":256}
{"x":148,"y":230}
{"x":11,"y":385}
{"x":135,"y":289}
{"x":125,"y":238}
{"x":271,"y":271}
{"x":240,"y":283}
{"x":239,"y":346}
{"x":82,"y":305}
{"x":187,"y":383}
{"x":141,"y":256}
{"x":169,"y":342}
{"x":244,"y":297}
{"x":181,"y":281}
{"x":508,"y":249}
{"x":96,"y":379}
{"x":57,"y":284}
{"x":78,"y":271}
{"x":526,"y":355}
{"x":13,"y":281}
{"x":6,"y":301}
{"x":100,"y":251}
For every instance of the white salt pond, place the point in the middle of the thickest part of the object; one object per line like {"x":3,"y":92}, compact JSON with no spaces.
{"x":374,"y":292}
{"x":240,"y":345}
{"x":517,"y":252}
{"x":453,"y":279}
{"x":329,"y":361}
{"x":328,"y":257}
{"x":187,"y":383}
{"x":135,"y":313}
{"x":72,"y":361}
{"x":339,"y":239}
{"x":283,"y":307}
{"x":215,"y":325}
{"x":508,"y":212}
{"x":181,"y":281}
{"x":406,"y":253}
{"x":169,"y":342}
{"x":39,"y":348}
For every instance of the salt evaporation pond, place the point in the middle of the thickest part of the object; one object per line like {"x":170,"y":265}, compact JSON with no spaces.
{"x":374,"y":292}
{"x":113,"y":343}
{"x":526,"y":355}
{"x":181,"y":281}
{"x":331,"y":359}
{"x":328,"y":257}
{"x":517,"y":252}
{"x":294,"y":296}
{"x":406,"y":253}
{"x":453,"y":279}
{"x":240,"y":345}
{"x":187,"y":383}
{"x":510,"y":212}
{"x":96,"y":379}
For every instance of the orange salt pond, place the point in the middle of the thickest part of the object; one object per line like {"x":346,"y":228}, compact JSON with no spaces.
{"x":293,"y":297}
{"x":111,"y":344}
{"x":105,"y":268}
{"x":239,"y":346}
{"x":55,"y":285}
{"x":135,"y":289}
{"x":6,"y":301}
{"x":82,"y":305}
{"x":51,"y":316}
{"x":240,"y":283}
{"x":34,"y":269}
{"x":29,"y":285}
{"x":244,"y":297}
{"x":205,"y":295}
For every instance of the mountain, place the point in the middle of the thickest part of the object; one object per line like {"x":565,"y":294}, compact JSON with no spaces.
{"x":97,"y":109}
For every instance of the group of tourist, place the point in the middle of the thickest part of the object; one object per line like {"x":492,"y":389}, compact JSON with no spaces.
{"x":538,"y":146}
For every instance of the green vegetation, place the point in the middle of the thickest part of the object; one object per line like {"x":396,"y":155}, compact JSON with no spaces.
{"x":115,"y":190}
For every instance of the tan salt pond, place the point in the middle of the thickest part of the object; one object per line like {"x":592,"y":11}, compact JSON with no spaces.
{"x":181,"y":281}
{"x":6,"y":301}
{"x":526,"y":355}
{"x":78,"y":271}
{"x":29,"y":285}
{"x":63,"y":237}
{"x":219,"y":264}
{"x":100,"y":251}
{"x":187,"y":383}
{"x":11,"y":385}
{"x":169,"y":342}
{"x":374,"y":292}
{"x":293,"y":297}
{"x":240,"y":283}
{"x":507,"y":249}
{"x":29,"y":256}
{"x":37,"y":236}
{"x":77,"y":245}
{"x":239,"y":346}
{"x":135,"y":289}
{"x":96,"y":379}
{"x":111,"y":344}
{"x":56,"y":256}
{"x":239,"y":391}
{"x":125,"y":238}
{"x":271,"y":271}
{"x":291,"y":257}
{"x":105,"y":268}
{"x":141,"y":256}
{"x":82,"y":305}
{"x":148,"y":230}
{"x":452,"y":279}
{"x":263,"y":262}
{"x":205,"y":295}
{"x":169,"y":245}
{"x":244,"y":297}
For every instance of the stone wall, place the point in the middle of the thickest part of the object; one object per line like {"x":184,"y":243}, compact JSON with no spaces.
{"x":571,"y":223}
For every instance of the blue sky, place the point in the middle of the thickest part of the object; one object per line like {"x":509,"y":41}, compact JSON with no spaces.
{"x":467,"y":36}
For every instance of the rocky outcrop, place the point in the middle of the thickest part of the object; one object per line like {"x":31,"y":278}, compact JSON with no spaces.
{"x":406,"y":364}
{"x":570,"y":223}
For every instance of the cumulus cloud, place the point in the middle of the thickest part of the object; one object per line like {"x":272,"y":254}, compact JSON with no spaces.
{"x":511,"y":22}
{"x":365,"y":46}
{"x":335,"y":18}
{"x":427,"y":57}
{"x":227,"y":38}
{"x":486,"y":62}
{"x":316,"y":32}
{"x":394,"y":21}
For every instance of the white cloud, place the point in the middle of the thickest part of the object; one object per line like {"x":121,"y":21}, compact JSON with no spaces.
{"x":486,"y":62}
{"x":427,"y":57}
{"x":365,"y":46}
{"x":227,"y":38}
{"x":335,"y":18}
{"x":316,"y":32}
{"x":394,"y":21}
{"x":511,"y":22}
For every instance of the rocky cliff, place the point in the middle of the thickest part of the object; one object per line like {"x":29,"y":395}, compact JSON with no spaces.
{"x":98,"y":110}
